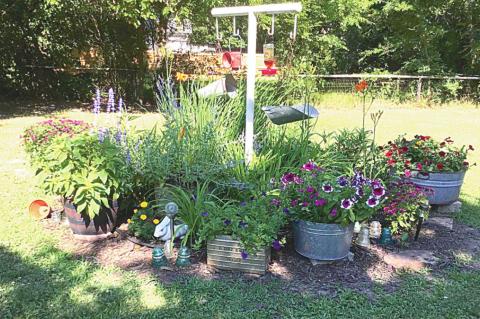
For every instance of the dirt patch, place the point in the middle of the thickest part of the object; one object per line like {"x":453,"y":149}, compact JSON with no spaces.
{"x":294,"y":271}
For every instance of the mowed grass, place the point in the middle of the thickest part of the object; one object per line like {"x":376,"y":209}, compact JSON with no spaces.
{"x":38,"y":280}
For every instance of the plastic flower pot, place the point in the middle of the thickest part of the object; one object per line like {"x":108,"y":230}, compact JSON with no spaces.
{"x":325,"y":242}
{"x":83,"y":227}
{"x":224,"y":252}
{"x":445,"y":186}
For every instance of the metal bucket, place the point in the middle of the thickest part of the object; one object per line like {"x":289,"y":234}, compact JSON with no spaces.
{"x":445,"y":186}
{"x":327,"y":242}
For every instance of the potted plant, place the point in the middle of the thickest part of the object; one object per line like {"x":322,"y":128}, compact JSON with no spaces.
{"x":404,"y":204}
{"x":439,"y":166}
{"x":91,"y":173}
{"x":239,"y":236}
{"x":324,"y":208}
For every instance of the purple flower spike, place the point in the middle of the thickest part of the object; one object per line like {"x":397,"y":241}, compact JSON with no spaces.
{"x":276,"y":245}
{"x":111,"y":101}
{"x":120,"y":106}
{"x":346,"y":203}
{"x":244,"y":255}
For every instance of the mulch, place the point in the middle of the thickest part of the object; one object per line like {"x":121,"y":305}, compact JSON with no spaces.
{"x":295,"y":272}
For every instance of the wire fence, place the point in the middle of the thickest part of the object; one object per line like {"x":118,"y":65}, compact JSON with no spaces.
{"x":134,"y":83}
{"x":405,"y":87}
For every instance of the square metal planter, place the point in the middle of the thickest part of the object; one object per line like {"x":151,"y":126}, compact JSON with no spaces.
{"x":224,"y":252}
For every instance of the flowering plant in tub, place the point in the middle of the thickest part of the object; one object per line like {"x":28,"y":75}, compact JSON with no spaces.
{"x":324,"y":207}
{"x":439,"y":166}
{"x":425,"y":154}
{"x":254,"y":223}
{"x":315,"y":195}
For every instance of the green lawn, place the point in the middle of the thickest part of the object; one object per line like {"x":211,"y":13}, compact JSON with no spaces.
{"x":37,"y":280}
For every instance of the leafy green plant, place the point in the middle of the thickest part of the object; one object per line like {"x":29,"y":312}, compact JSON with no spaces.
{"x":404,"y":204}
{"x":143,"y":221}
{"x":255,"y":223}
{"x":38,"y":137}
{"x":192,"y":206}
{"x":86,"y":170}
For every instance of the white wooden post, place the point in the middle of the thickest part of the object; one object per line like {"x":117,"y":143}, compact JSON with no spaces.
{"x":251,"y":56}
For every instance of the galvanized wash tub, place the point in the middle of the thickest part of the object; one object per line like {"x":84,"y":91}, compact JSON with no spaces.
{"x":445,"y":186}
{"x":224,"y":252}
{"x":326,"y":242}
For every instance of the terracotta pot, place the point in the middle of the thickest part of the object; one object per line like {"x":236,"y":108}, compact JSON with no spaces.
{"x":91,"y":229}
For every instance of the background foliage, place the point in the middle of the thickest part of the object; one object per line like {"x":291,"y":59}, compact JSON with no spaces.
{"x":335,"y":36}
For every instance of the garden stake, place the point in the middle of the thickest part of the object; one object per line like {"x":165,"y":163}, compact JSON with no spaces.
{"x":158,"y":258}
{"x":386,"y":238}
{"x":419,"y":227}
{"x":183,"y":258}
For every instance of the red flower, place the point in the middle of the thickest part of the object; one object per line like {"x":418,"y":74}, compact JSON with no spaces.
{"x":439,"y":166}
{"x":442,"y":153}
{"x":404,"y":149}
{"x":424,"y":138}
{"x":470,"y":147}
{"x":361,"y":86}
{"x":419,"y":166}
{"x":408,"y":173}
{"x":388,"y":154}
{"x":391,"y":162}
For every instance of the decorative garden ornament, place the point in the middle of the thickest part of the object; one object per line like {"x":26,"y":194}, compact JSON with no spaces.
{"x":225,"y":85}
{"x":375,"y":229}
{"x":163,"y":231}
{"x":286,"y":114}
{"x":158,"y":258}
{"x":183,"y":258}
{"x":363,"y":238}
{"x":357,"y":227}
{"x":386,"y":238}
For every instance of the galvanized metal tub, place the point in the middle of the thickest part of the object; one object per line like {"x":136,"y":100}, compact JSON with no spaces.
{"x":445,"y":186}
{"x":327,"y":242}
{"x":224,"y":252}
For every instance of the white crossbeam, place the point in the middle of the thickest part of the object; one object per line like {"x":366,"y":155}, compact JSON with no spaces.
{"x":266,"y":9}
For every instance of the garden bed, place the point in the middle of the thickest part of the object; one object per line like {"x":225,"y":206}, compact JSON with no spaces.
{"x":295,"y":272}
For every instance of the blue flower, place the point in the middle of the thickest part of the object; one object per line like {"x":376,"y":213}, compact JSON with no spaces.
{"x":244,"y":255}
{"x":243,"y":204}
{"x":276,"y":245}
{"x":204,"y":214}
{"x":227,"y":222}
{"x":242,"y":224}
{"x":286,"y":210}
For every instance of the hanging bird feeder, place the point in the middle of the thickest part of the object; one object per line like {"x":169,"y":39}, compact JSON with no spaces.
{"x":269,"y":52}
{"x":287,"y":114}
{"x":231,"y":58}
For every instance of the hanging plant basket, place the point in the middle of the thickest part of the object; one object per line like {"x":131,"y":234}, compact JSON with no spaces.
{"x":287,"y":114}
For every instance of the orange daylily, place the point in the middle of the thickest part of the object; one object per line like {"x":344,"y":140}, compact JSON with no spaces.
{"x":182,"y":77}
{"x":361,"y":86}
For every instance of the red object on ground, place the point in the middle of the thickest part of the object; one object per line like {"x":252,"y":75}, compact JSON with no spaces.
{"x":39,"y":209}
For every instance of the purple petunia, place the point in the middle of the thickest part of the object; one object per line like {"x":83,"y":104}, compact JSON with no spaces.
{"x":309,"y":166}
{"x":333,"y":212}
{"x":372,"y":201}
{"x":288,"y":178}
{"x":298,"y":180}
{"x":305,"y":204}
{"x":275,"y":202}
{"x":346,"y":203}
{"x":342,"y":181}
{"x":320,"y":202}
{"x":378,"y":191}
{"x":359,"y":192}
{"x":294,"y":203}
{"x":276,"y":245}
{"x":327,"y":188}
{"x":244,"y":254}
{"x":310,"y":189}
